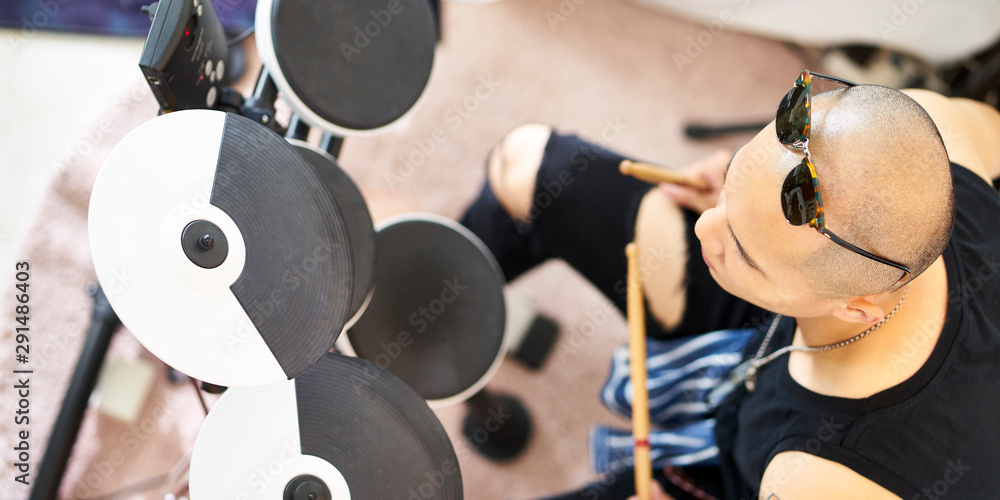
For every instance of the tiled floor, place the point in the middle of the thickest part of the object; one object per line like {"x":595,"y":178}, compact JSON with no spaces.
{"x":52,"y":87}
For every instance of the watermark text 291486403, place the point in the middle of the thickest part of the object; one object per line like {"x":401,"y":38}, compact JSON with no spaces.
{"x":22,"y":348}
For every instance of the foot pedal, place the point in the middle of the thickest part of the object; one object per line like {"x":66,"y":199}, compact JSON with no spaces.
{"x":531,"y":336}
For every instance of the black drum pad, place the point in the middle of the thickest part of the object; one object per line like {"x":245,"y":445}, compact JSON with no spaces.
{"x":348,"y":66}
{"x":436,"y":317}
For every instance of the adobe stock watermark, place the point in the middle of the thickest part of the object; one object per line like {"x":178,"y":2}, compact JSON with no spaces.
{"x":424,"y":316}
{"x":563,"y":11}
{"x":433,"y":481}
{"x":695,"y":46}
{"x":40,"y":19}
{"x":420,"y":319}
{"x":915,"y":343}
{"x":58,"y":342}
{"x":455,"y":117}
{"x":752,"y":161}
{"x":94,"y":137}
{"x":900,"y":15}
{"x":388,"y":353}
{"x":293,"y":278}
{"x":617,"y":467}
{"x":55,"y":348}
{"x":829,"y":431}
{"x":365,"y":34}
{"x":224,"y":7}
{"x":953,"y":473}
{"x":582,"y":333}
{"x":950,"y":133}
{"x":129,"y":441}
{"x":117,"y":282}
{"x":495,"y":420}
{"x":975,"y":282}
{"x":268,"y":472}
{"x":549,"y":190}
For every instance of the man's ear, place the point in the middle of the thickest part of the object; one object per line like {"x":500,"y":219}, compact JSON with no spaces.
{"x":859,"y":310}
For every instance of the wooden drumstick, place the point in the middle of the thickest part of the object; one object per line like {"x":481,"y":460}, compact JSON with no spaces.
{"x":637,"y":362}
{"x":653,"y":174}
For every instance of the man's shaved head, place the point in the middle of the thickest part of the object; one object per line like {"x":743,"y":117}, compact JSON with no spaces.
{"x":886,"y":184}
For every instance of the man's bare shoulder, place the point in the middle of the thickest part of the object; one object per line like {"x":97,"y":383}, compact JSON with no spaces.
{"x":794,"y":475}
{"x":969,"y":128}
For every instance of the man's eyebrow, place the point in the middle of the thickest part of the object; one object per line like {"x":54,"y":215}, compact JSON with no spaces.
{"x":743,"y":253}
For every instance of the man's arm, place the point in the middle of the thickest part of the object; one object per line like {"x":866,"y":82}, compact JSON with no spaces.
{"x":970,"y":129}
{"x":794,"y":475}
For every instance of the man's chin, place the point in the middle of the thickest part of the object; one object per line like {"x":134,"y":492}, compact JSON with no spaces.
{"x":734,"y":291}
{"x":721,"y":281}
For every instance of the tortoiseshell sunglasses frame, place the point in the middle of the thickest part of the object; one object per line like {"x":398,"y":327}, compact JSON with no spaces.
{"x":790,"y":136}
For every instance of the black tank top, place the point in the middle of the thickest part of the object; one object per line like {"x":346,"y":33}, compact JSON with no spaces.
{"x":935,"y":435}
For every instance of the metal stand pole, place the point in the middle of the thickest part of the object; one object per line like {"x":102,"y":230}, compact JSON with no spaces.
{"x":103,"y":324}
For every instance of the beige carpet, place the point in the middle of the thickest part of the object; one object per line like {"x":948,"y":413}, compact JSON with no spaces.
{"x":594,"y":67}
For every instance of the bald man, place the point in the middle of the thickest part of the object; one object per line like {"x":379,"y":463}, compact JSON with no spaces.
{"x":909,"y":411}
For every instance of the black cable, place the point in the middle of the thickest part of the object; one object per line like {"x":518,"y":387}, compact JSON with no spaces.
{"x":201,"y":399}
{"x":700,"y":132}
{"x":242,"y":36}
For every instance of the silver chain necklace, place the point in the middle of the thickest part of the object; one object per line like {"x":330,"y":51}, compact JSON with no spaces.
{"x":747,"y":371}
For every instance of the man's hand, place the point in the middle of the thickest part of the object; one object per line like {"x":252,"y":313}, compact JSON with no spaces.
{"x":712,"y":168}
{"x":658,"y":493}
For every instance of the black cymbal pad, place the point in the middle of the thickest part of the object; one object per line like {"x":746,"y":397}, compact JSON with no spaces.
{"x":358,"y":219}
{"x":345,"y":426}
{"x":220,"y":248}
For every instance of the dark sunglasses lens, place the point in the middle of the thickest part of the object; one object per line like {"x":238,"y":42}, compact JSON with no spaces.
{"x":798,"y":196}
{"x":790,"y":120}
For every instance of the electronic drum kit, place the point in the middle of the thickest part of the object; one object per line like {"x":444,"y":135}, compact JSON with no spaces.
{"x":241,"y":257}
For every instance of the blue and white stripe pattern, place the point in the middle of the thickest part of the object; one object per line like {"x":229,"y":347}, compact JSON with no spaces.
{"x":682,"y":373}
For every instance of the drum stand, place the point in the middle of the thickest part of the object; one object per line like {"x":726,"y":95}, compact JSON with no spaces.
{"x":258,"y":107}
{"x":104,"y":322}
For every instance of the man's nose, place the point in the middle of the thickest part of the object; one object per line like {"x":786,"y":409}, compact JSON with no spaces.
{"x":707,"y":229}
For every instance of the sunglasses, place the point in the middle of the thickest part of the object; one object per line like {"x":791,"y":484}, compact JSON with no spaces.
{"x":800,"y":197}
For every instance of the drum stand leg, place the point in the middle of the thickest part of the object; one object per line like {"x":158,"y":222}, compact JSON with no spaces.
{"x":331,"y":144}
{"x":104,"y":321}
{"x":497,"y":426}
